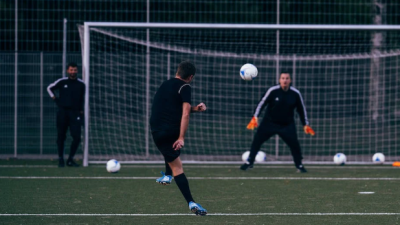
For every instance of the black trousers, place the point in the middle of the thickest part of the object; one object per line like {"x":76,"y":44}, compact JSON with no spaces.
{"x":74,"y":120}
{"x":288,"y":134}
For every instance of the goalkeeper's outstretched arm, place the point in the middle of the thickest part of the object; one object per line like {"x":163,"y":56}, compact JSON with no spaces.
{"x":260,"y":106}
{"x":301,"y":110}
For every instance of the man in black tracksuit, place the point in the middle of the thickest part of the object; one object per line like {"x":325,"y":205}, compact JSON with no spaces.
{"x":280,"y":100}
{"x":70,"y":111}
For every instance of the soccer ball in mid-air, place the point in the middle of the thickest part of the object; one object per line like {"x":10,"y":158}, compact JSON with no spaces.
{"x":378,"y":158}
{"x":339,"y":159}
{"x":260,"y":157}
{"x":248,"y":71}
{"x":113,"y":166}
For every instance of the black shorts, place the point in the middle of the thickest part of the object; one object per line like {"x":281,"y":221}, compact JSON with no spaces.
{"x":164,"y":141}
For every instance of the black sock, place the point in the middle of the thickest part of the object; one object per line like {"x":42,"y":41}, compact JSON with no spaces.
{"x":297,"y":162}
{"x":74,"y":147}
{"x":183,"y":185}
{"x":168,"y":170}
{"x":60,"y":149}
{"x":252,"y":156}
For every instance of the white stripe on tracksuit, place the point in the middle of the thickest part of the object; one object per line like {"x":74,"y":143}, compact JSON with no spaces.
{"x":260,"y":105}
{"x":53,"y":85}
{"x":182,"y":87}
{"x":302,"y":103}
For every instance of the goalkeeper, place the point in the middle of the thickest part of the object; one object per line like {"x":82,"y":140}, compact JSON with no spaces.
{"x":280,"y":100}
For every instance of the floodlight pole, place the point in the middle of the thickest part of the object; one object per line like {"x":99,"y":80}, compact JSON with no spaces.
{"x":293,"y":75}
{"x":64,"y":56}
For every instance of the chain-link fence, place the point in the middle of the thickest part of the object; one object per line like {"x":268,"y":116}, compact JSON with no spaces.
{"x":28,"y":114}
{"x":37,"y":25}
{"x":31,"y":46}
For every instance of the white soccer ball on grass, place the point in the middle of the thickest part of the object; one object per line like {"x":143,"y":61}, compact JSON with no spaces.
{"x":378,"y":158}
{"x":248,"y":72}
{"x":113,"y":166}
{"x":260,"y":157}
{"x":339,"y":159}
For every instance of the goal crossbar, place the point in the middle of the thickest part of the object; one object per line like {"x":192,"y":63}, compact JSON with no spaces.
{"x":243,"y":26}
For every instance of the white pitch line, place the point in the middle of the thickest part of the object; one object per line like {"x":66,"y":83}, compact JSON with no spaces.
{"x":209,"y":178}
{"x":372,"y":167}
{"x":259,"y":167}
{"x":27,"y":166}
{"x":216,"y":214}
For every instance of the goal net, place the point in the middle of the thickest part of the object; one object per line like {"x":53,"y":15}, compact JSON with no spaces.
{"x":348,"y":78}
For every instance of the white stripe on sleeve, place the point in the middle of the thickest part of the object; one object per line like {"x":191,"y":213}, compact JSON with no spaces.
{"x":264,"y":99}
{"x":302,"y":103}
{"x":53,"y":85}
{"x":182,"y":87}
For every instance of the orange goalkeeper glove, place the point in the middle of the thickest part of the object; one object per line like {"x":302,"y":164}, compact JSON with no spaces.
{"x":253,"y":123}
{"x":309,"y":130}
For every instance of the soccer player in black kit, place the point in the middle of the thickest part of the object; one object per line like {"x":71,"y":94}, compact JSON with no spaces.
{"x":169,"y":121}
{"x":281,"y":101}
{"x":70,"y":111}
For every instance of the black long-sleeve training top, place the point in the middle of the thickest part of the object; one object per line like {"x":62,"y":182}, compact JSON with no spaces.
{"x":281,"y":104}
{"x":71,"y":93}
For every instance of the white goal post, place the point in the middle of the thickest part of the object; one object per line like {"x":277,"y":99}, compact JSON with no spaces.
{"x":317,"y":55}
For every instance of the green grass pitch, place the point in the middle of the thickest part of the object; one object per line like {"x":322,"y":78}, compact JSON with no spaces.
{"x":37,"y":192}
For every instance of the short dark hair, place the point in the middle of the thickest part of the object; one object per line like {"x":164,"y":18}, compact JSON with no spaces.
{"x":72,"y":64}
{"x":186,"y":69}
{"x":285,"y":71}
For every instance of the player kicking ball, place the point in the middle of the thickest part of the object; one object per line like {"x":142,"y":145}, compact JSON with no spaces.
{"x":169,"y":121}
{"x":281,"y":101}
